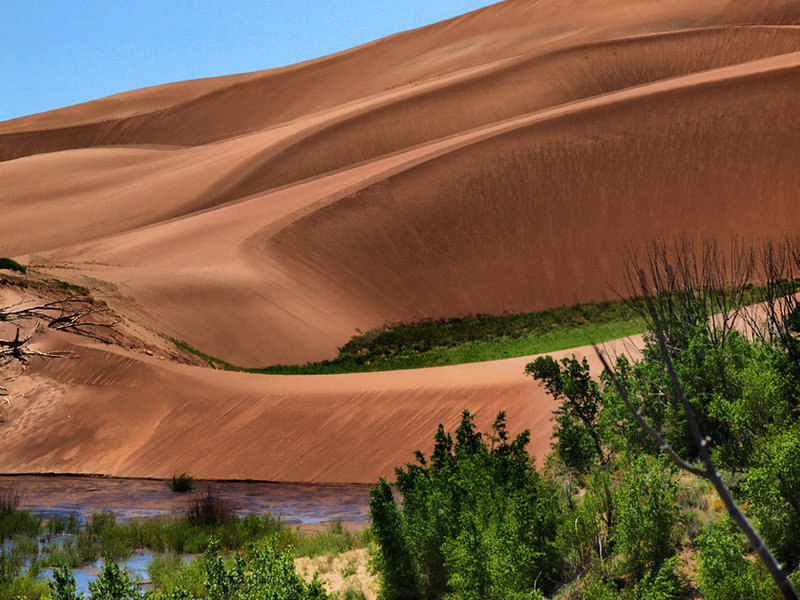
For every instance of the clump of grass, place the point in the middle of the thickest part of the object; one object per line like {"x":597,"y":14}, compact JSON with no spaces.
{"x":334,"y":540}
{"x":209,"y":510}
{"x":14,"y":521}
{"x":9,"y":500}
{"x":181,"y":483}
{"x":351,"y":593}
{"x":168,"y":574}
{"x":12,"y":265}
{"x":50,"y":285}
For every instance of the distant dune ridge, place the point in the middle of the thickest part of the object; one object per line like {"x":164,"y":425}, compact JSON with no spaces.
{"x":498,"y":161}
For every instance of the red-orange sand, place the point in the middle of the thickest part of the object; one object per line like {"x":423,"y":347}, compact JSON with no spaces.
{"x":499,"y":161}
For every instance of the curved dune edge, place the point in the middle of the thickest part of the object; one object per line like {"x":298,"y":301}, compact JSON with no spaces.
{"x":288,"y":276}
{"x":115,"y":413}
{"x":498,"y":161}
{"x":476,"y":165}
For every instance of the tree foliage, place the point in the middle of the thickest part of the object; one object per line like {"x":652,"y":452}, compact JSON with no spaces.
{"x":478,"y":521}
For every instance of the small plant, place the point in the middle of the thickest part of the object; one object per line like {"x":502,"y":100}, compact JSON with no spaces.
{"x":12,"y":265}
{"x":351,"y":593}
{"x":63,"y":585}
{"x":114,"y":584}
{"x":209,"y":510}
{"x":9,"y":499}
{"x":350,"y":568}
{"x":181,"y":483}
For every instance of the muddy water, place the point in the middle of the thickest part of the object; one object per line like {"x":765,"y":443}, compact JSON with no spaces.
{"x":295,"y":504}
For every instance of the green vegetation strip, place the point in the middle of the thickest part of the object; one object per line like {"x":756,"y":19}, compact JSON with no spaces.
{"x":477,"y":338}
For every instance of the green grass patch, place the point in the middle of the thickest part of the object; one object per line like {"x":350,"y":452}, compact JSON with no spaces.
{"x":475,"y":338}
{"x":102,"y":535}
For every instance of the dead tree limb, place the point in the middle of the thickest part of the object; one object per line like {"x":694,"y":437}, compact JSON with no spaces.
{"x":77,"y":313}
{"x":18,"y":349}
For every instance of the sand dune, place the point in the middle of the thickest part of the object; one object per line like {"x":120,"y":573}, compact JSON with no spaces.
{"x":498,"y":161}
{"x":122,"y":414}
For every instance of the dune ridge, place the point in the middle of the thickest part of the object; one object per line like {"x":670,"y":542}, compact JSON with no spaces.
{"x":499,"y":161}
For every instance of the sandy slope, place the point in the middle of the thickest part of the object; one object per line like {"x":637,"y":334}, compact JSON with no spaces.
{"x":499,"y":161}
{"x":119,"y":413}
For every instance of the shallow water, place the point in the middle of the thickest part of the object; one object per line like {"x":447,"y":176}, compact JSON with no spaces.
{"x":84,"y":575}
{"x":295,"y":504}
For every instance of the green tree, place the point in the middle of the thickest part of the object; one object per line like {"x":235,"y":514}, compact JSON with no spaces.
{"x":772,"y":487}
{"x":478,"y":521}
{"x":647,"y":515}
{"x":724,"y":573}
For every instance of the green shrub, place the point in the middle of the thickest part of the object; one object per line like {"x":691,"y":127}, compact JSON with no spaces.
{"x":24,"y":587}
{"x":62,"y":585}
{"x":478,"y":521}
{"x":172,"y":576}
{"x":12,"y":265}
{"x":599,"y":589}
{"x":584,"y":534}
{"x":724,"y":573}
{"x":114,"y":584}
{"x":772,"y":487}
{"x":263,"y":572}
{"x":666,"y":584}
{"x":647,"y":513}
{"x":181,"y":483}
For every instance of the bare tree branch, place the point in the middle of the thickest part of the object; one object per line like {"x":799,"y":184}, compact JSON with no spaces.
{"x":637,"y":414}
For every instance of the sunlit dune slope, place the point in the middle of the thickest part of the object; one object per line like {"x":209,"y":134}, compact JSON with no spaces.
{"x":116,"y":413}
{"x":499,"y":161}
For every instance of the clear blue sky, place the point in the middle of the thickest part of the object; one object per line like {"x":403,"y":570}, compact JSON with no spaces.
{"x":59,"y":52}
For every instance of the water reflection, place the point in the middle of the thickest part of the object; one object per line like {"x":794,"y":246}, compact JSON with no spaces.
{"x":296,"y":504}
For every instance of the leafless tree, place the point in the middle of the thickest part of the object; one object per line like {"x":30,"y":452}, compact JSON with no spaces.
{"x":779,"y":266}
{"x":76,"y":312}
{"x":687,"y":281}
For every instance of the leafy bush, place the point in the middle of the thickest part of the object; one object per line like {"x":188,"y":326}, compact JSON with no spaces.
{"x":181,"y":483}
{"x":114,"y":584}
{"x":172,"y":576}
{"x":666,"y":584}
{"x":12,"y":265}
{"x":261,"y":573}
{"x":647,"y":515}
{"x":584,"y":535}
{"x":62,"y":585}
{"x":772,"y":487}
{"x":209,"y":510}
{"x":477,"y":522}
{"x":724,"y":573}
